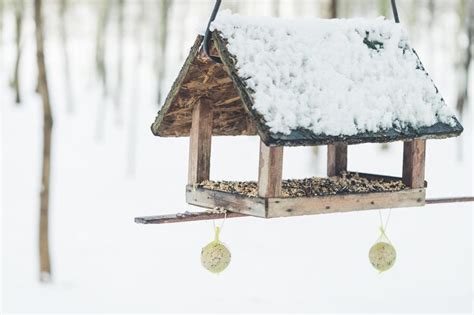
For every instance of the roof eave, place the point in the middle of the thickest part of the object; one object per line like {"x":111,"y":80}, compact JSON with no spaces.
{"x":304,"y":137}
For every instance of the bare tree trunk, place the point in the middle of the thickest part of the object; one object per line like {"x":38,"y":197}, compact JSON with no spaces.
{"x":232,"y":5}
{"x":462,"y":100}
{"x":183,"y":12}
{"x":63,"y":7}
{"x":2,"y":9}
{"x":15,"y":83}
{"x":45,"y":264}
{"x":164,"y":6}
{"x":120,"y":61}
{"x":135,"y":97}
{"x":383,"y":7}
{"x":100,"y":43}
{"x":333,"y":12}
{"x":432,"y":36}
{"x":276,"y":8}
{"x":432,"y":11}
{"x":101,"y":65}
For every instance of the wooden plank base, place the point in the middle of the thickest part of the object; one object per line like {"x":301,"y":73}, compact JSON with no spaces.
{"x":285,"y":207}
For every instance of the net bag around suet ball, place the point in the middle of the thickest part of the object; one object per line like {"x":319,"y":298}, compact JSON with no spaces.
{"x":215,"y":256}
{"x":382,"y":254}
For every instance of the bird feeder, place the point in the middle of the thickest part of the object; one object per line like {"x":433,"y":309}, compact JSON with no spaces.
{"x":305,"y":83}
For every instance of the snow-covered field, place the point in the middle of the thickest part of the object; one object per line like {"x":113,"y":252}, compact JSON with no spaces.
{"x":104,"y":262}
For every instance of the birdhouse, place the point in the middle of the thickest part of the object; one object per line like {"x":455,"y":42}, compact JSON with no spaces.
{"x":305,"y":83}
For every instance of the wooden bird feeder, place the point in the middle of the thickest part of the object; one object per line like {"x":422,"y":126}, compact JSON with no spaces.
{"x":211,"y":98}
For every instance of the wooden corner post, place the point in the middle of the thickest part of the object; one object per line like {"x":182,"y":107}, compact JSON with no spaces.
{"x":337,"y":159}
{"x":200,"y":142}
{"x":414,"y":163}
{"x":270,"y":171}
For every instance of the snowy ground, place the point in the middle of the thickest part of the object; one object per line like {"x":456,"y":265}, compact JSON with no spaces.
{"x":103,"y":262}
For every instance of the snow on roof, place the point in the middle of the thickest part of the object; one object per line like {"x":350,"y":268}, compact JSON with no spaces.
{"x":334,"y":77}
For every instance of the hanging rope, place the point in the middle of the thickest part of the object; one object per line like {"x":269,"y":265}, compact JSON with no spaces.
{"x":218,"y":210}
{"x":395,"y":11}
{"x":207,"y":35}
{"x":383,"y":227}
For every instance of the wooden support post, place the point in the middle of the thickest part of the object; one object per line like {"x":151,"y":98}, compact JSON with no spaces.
{"x":414,"y":163}
{"x":337,"y":159}
{"x":270,"y":171}
{"x":200,"y":142}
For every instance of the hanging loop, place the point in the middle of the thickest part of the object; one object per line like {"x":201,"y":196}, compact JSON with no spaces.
{"x":207,"y":35}
{"x":395,"y":11}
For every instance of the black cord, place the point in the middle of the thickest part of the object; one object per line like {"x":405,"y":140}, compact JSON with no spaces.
{"x":395,"y":12}
{"x":207,"y":35}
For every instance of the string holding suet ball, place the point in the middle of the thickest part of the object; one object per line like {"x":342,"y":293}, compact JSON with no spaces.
{"x":215,"y":256}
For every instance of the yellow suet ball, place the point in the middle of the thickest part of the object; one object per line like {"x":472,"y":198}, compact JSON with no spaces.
{"x":382,"y":256}
{"x":215,"y":256}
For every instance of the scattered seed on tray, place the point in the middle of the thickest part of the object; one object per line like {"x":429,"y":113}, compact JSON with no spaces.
{"x":345,"y":183}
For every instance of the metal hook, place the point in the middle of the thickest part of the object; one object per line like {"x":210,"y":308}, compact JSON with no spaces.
{"x":395,"y":11}
{"x":207,"y":35}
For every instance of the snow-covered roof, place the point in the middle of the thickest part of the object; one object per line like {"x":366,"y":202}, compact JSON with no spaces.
{"x":318,"y":81}
{"x":338,"y":76}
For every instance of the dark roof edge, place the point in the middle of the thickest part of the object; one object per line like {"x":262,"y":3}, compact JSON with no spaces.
{"x":304,"y":137}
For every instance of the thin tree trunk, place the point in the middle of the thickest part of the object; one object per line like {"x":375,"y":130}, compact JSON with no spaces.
{"x":383,"y":7}
{"x":432,"y":11}
{"x":120,"y":61}
{"x":2,"y":9}
{"x":101,"y":66}
{"x":333,"y":12}
{"x":63,"y":7}
{"x":468,"y":23}
{"x":276,"y":8}
{"x":164,"y":6}
{"x":432,"y":36}
{"x":45,"y":264}
{"x":182,"y":27}
{"x":15,"y":83}
{"x":135,"y":96}
{"x":100,"y":48}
